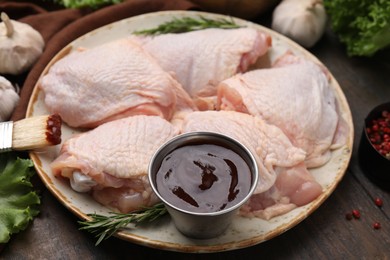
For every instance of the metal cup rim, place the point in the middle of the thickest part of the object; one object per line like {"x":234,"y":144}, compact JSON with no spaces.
{"x":172,"y":141}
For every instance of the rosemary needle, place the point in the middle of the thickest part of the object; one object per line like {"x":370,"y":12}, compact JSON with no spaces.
{"x":187,"y":24}
{"x":105,"y":226}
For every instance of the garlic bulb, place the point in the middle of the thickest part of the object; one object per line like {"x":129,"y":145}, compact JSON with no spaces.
{"x":303,"y":21}
{"x":20,"y":46}
{"x":8,"y":99}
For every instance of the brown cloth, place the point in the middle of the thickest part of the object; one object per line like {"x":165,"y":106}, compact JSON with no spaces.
{"x":60,"y":27}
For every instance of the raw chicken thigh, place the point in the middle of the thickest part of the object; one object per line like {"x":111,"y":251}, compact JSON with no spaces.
{"x":294,"y":187}
{"x":111,"y":81}
{"x":267,"y":143}
{"x":284,"y":181}
{"x":111,"y":161}
{"x":295,"y":96}
{"x":199,"y":60}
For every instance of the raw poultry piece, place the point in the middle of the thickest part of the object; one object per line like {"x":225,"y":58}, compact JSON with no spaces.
{"x":111,"y":161}
{"x":268,"y":144}
{"x":199,"y":60}
{"x":117,"y":79}
{"x":294,"y":187}
{"x":294,"y":95}
{"x":284,"y":181}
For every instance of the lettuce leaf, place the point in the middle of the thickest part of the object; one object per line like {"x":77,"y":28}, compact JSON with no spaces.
{"x":362,"y":25}
{"x":18,"y":200}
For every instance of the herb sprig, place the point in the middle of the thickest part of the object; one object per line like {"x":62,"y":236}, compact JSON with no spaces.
{"x":106,"y":226}
{"x":187,"y":24}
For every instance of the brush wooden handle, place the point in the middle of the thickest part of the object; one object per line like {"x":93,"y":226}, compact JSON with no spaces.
{"x":6,"y":136}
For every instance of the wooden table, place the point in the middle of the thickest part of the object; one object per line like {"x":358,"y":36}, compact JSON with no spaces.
{"x":325,"y":234}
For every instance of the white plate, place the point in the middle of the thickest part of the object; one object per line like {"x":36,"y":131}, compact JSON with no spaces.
{"x":162,"y":234}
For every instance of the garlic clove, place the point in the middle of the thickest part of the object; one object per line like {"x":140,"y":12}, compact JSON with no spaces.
{"x":20,"y":46}
{"x":8,"y":99}
{"x":303,"y":21}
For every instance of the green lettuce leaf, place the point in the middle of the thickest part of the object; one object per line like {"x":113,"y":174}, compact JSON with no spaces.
{"x":18,"y":200}
{"x":362,"y":25}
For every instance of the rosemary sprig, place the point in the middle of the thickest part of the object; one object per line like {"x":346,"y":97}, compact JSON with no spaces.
{"x":187,"y":24}
{"x":105,"y":226}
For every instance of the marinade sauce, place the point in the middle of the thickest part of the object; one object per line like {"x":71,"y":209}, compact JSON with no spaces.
{"x":203,"y":178}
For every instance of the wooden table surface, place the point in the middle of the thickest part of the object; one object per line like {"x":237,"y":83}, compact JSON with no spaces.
{"x":325,"y":234}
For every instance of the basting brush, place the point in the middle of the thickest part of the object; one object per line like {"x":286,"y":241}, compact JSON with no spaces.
{"x":30,"y":133}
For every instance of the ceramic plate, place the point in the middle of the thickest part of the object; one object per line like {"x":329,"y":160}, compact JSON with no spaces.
{"x":162,"y":234}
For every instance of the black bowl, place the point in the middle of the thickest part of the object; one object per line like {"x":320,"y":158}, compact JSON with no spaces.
{"x":375,"y":165}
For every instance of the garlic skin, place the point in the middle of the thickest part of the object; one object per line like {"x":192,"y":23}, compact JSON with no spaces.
{"x":303,"y":21}
{"x":20,"y":46}
{"x":8,"y":99}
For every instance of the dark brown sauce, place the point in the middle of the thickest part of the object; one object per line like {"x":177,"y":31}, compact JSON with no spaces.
{"x":53,"y":129}
{"x":203,"y":178}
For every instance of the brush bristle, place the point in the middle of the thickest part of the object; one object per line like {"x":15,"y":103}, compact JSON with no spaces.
{"x":36,"y":132}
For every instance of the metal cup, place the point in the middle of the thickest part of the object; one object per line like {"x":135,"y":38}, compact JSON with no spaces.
{"x":195,"y":224}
